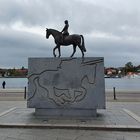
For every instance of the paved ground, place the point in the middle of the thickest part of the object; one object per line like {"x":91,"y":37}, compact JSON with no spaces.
{"x":60,"y":134}
{"x":71,"y":134}
{"x":124,"y":110}
{"x":11,"y":94}
{"x":110,"y":119}
{"x":121,"y":95}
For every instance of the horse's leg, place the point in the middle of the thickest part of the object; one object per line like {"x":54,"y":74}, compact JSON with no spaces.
{"x":59,"y":51}
{"x":54,"y":51}
{"x":74,"y":50}
{"x":81,"y":50}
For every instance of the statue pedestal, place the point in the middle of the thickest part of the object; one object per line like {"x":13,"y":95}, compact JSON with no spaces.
{"x":68,"y":87}
{"x":56,"y":113}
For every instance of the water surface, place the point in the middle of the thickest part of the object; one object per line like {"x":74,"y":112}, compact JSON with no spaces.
{"x":119,"y":83}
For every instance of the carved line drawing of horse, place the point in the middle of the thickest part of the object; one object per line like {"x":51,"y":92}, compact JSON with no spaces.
{"x":62,"y":95}
{"x":75,"y":40}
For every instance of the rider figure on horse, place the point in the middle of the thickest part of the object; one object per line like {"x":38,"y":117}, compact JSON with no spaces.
{"x":65,"y":30}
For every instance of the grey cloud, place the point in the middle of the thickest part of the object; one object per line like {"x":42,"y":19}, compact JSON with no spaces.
{"x":84,"y":17}
{"x":19,"y":46}
{"x":116,"y":18}
{"x":115,"y":52}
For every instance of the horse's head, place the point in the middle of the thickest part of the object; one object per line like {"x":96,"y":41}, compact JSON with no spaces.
{"x":47,"y":33}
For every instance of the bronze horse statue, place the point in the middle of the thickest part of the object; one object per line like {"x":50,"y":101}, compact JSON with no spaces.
{"x":75,"y":40}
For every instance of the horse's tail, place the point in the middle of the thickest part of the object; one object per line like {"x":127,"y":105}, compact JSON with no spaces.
{"x":83,"y":43}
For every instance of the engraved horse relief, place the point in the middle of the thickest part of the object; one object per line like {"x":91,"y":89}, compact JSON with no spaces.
{"x":64,"y":85}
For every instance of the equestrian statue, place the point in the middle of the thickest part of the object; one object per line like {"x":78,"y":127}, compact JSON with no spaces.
{"x":64,"y":39}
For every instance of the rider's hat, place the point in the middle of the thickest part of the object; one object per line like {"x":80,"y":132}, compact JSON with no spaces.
{"x":66,"y":21}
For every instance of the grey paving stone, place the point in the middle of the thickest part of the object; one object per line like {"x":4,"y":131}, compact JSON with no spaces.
{"x":10,"y":138}
{"x":106,"y":117}
{"x":59,"y":134}
{"x":54,"y":134}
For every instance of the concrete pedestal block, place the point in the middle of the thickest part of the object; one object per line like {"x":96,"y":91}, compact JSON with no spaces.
{"x":58,"y":113}
{"x":66,"y":86}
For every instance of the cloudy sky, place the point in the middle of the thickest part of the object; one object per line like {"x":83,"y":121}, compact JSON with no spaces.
{"x":111,"y":29}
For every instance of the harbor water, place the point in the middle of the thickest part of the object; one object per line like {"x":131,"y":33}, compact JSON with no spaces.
{"x":119,"y":83}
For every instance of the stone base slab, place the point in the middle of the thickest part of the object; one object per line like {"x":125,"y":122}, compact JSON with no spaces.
{"x":55,"y":113}
{"x":109,"y":120}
